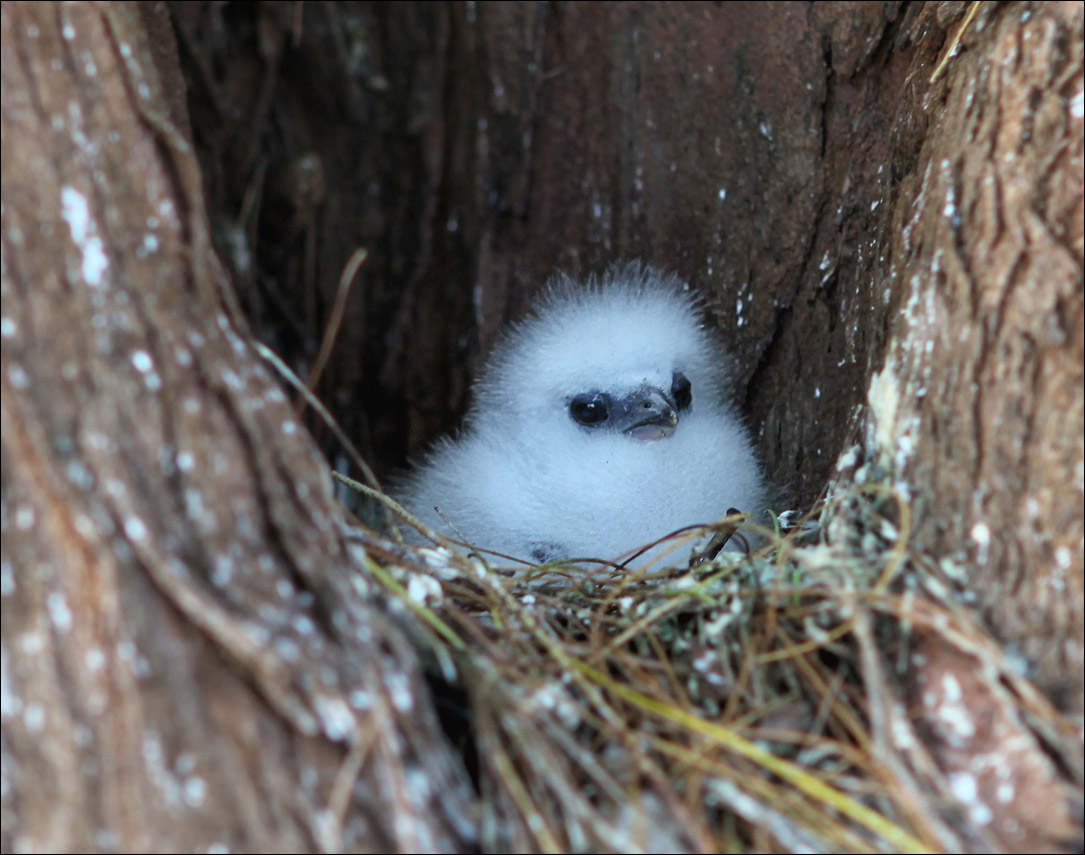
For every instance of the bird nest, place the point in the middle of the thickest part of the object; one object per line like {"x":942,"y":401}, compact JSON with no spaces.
{"x":790,"y":699}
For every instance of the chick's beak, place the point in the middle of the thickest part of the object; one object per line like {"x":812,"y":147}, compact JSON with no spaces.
{"x":648,"y":414}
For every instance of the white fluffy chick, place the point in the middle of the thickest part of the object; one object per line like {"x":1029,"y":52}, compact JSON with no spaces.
{"x":601,"y":423}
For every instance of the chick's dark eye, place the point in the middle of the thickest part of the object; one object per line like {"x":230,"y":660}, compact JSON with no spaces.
{"x":589,"y":410}
{"x":681,"y":390}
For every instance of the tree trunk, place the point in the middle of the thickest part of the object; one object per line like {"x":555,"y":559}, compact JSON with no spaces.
{"x":189,"y":662}
{"x":979,"y":403}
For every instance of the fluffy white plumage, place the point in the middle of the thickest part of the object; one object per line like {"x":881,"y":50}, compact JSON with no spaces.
{"x":600,"y":424}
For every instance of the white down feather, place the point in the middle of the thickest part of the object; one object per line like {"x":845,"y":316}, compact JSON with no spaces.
{"x":524,"y":479}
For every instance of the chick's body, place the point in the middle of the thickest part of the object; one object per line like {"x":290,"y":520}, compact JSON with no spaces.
{"x":600,"y":424}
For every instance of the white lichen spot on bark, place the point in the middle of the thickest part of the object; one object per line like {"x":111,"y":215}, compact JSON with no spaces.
{"x":84,"y":232}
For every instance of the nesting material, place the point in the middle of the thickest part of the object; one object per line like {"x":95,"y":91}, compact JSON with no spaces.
{"x":831,"y":692}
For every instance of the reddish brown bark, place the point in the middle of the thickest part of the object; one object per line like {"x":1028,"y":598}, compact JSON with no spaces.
{"x":979,"y":404}
{"x":188,"y":663}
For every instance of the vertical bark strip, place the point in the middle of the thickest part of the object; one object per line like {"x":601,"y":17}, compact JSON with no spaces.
{"x":979,"y":403}
{"x":189,"y":658}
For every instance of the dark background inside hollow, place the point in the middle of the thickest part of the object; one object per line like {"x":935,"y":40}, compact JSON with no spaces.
{"x":474,"y":149}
